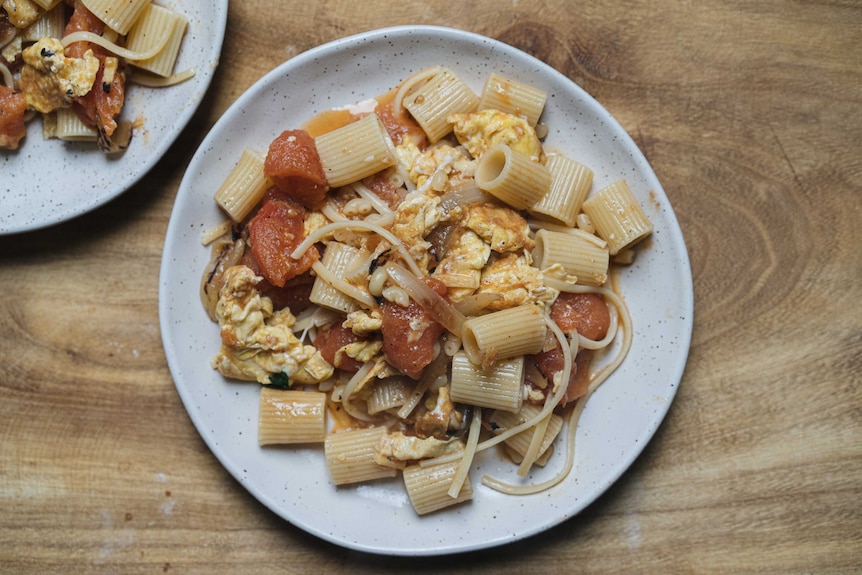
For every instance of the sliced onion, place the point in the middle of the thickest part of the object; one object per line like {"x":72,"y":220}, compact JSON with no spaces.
{"x":433,"y":303}
{"x":474,"y":304}
{"x":464,"y":194}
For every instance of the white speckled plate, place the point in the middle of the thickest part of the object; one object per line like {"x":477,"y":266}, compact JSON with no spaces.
{"x":46,"y":182}
{"x":619,"y":419}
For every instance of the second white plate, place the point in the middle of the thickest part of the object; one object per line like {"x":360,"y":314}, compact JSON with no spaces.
{"x":46,"y":182}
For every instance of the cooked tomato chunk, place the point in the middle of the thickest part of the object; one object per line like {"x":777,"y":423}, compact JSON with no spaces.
{"x":273,"y":233}
{"x":330,"y":338}
{"x":586,"y":313}
{"x":13,"y":105}
{"x":293,"y":295}
{"x":409,"y":334}
{"x":292,"y":163}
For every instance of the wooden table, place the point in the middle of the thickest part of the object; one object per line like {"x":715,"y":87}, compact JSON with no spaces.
{"x":751,"y":115}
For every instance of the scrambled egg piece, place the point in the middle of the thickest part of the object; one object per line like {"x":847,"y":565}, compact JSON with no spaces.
{"x":21,"y":13}
{"x":437,"y":169}
{"x":396,"y":449}
{"x":501,"y":227}
{"x":362,"y":322}
{"x":313,"y":221}
{"x":406,"y":152}
{"x":362,"y":351}
{"x":415,"y":217}
{"x":50,"y":80}
{"x":257,"y":342}
{"x":461,"y":268}
{"x":486,"y":128}
{"x":516,"y":281}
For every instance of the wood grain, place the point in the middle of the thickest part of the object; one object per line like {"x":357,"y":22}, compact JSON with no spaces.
{"x":751,"y":115}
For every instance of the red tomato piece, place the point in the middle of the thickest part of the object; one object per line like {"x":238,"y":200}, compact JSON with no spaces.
{"x":585,"y":312}
{"x":273,"y":233}
{"x":330,"y":338}
{"x":407,"y":348}
{"x":550,"y":362}
{"x":293,"y":296}
{"x":293,"y":164}
{"x":13,"y":105}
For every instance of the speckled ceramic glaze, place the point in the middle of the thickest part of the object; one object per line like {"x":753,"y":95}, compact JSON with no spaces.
{"x":619,"y":419}
{"x":48,"y":181}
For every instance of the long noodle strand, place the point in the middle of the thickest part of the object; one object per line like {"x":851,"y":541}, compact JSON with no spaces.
{"x":468,"y":455}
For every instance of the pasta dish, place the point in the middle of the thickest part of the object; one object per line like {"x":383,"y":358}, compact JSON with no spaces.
{"x":69,"y":63}
{"x":415,"y":278}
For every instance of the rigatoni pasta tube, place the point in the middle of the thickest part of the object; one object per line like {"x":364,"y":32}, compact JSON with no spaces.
{"x":503,"y":334}
{"x":51,"y":24}
{"x":355,"y":151}
{"x":350,"y":456}
{"x":428,"y":486}
{"x":579,"y":257}
{"x":289,"y":416}
{"x":119,"y":15}
{"x":512,"y":177}
{"x":618,"y":217}
{"x":71,"y":128}
{"x":570,"y":184}
{"x":432,"y":104}
{"x":513,"y":97}
{"x":337,"y":258}
{"x":499,"y":387}
{"x":148,"y":30}
{"x":244,"y":186}
{"x":388,"y":393}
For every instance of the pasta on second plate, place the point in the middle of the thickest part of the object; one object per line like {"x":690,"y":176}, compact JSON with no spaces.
{"x":433,"y":279}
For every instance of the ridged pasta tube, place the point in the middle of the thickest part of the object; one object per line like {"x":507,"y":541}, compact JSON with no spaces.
{"x":512,"y":177}
{"x":618,"y":217}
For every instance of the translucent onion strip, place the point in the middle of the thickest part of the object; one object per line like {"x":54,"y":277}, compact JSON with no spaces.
{"x":7,"y":76}
{"x":364,"y":374}
{"x":433,"y":303}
